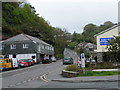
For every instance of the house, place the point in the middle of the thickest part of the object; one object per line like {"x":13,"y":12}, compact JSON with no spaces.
{"x":24,"y":46}
{"x":90,"y":47}
{"x":102,"y":39}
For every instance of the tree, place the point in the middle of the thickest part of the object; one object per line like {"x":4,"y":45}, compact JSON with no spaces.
{"x":23,"y":19}
{"x":90,"y":28}
{"x":114,"y":49}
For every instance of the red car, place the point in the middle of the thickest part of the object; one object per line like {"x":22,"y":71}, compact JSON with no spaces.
{"x":23,"y":63}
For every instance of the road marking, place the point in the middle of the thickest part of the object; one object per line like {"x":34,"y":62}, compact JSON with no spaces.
{"x":33,"y":78}
{"x":24,"y":81}
{"x":43,"y":78}
{"x":18,"y":84}
{"x":29,"y":80}
{"x":37,"y":77}
{"x":11,"y":85}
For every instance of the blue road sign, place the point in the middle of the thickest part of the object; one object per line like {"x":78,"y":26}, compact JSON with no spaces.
{"x":104,"y":41}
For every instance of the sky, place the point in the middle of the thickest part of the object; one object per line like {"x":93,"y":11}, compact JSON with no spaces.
{"x":75,"y":14}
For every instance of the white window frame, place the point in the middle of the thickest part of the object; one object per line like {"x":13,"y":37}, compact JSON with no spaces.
{"x":25,"y":45}
{"x":13,"y":46}
{"x":39,"y":47}
{"x":42,"y":46}
{"x":1,"y":47}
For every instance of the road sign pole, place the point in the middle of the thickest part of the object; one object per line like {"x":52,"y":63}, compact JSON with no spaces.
{"x":83,"y":62}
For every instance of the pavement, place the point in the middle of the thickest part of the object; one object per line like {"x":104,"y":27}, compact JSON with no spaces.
{"x":56,"y":76}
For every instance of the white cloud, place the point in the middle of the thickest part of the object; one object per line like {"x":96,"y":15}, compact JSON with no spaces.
{"x":74,"y":16}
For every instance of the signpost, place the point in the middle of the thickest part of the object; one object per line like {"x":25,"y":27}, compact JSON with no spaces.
{"x":82,"y":56}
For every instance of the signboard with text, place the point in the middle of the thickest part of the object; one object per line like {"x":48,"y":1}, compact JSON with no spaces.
{"x":82,"y":55}
{"x":104,"y":41}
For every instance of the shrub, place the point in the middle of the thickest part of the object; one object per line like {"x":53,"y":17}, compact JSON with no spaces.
{"x":87,"y":65}
{"x":104,"y":65}
{"x":73,"y":68}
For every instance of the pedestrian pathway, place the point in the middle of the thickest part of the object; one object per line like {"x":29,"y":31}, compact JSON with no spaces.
{"x":106,"y":70}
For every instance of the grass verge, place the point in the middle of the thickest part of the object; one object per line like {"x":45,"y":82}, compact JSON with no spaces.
{"x":99,"y":73}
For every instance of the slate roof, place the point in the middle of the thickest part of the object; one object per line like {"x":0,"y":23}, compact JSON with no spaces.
{"x":106,"y":30}
{"x":90,"y":45}
{"x":24,"y":37}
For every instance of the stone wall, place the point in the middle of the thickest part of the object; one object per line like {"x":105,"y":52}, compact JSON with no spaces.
{"x":99,"y":57}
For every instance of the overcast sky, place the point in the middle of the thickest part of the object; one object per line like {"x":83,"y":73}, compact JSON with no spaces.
{"x":75,"y":14}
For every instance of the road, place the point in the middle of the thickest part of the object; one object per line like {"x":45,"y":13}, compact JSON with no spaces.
{"x":30,"y":78}
{"x":94,"y":85}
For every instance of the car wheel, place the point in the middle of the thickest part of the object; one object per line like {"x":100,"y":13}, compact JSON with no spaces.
{"x":19,"y":67}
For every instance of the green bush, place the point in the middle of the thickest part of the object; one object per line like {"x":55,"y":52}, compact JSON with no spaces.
{"x":99,"y":73}
{"x":101,"y":65}
{"x":73,"y":68}
{"x":60,"y":56}
{"x":87,"y":65}
{"x":104,"y":65}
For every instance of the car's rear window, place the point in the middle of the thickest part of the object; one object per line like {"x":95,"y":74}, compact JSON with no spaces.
{"x":66,"y":58}
{"x":24,"y":60}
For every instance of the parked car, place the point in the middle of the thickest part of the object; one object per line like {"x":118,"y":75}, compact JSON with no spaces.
{"x":53,"y":59}
{"x":31,"y":61}
{"x":67,"y":60}
{"x":46,"y":59}
{"x":23,"y":63}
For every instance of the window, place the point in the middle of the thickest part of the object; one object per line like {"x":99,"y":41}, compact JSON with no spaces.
{"x":12,"y":46}
{"x":25,"y":45}
{"x":14,"y":56}
{"x":7,"y":61}
{"x":52,"y":49}
{"x":39,"y":47}
{"x":1,"y":47}
{"x":42,"y":46}
{"x":6,"y":56}
{"x":33,"y":57}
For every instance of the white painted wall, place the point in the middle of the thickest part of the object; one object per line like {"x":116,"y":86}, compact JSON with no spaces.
{"x":108,"y":34}
{"x":21,"y":56}
{"x":26,"y":56}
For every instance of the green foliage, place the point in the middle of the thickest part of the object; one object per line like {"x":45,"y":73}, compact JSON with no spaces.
{"x":89,"y":31}
{"x":102,"y":65}
{"x":73,"y":68}
{"x":72,"y":45}
{"x":114,"y":49}
{"x":99,"y":73}
{"x":25,"y":20}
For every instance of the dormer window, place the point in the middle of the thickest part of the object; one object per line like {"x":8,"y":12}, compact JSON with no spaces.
{"x":13,"y":46}
{"x":1,"y":47}
{"x":25,"y":45}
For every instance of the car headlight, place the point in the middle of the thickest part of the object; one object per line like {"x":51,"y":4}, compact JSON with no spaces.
{"x":22,"y":64}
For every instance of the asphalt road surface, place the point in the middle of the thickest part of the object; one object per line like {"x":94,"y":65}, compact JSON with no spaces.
{"x":90,"y":85}
{"x":30,"y":78}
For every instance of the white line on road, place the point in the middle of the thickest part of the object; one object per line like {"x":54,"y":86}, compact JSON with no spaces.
{"x":24,"y":81}
{"x":43,"y":78}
